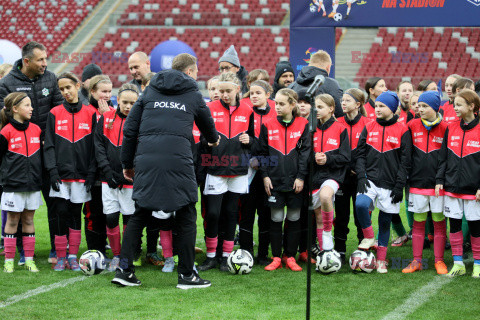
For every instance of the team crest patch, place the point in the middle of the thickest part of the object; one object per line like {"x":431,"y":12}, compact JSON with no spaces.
{"x":475,"y":2}
{"x":45,"y":92}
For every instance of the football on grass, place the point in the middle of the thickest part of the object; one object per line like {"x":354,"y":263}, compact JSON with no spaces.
{"x":92,"y":262}
{"x":240,"y":262}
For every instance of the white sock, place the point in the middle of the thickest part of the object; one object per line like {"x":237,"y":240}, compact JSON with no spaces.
{"x":327,"y":240}
{"x":210,"y":254}
{"x":225,"y":254}
{"x":323,"y":8}
{"x":348,"y":11}
{"x":334,"y":7}
{"x":72,"y":256}
{"x":28,"y":258}
{"x":8,"y":260}
{"x":459,"y":263}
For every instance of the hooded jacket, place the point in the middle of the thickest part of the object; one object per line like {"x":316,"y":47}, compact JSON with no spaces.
{"x":307,"y":76}
{"x":157,"y":141}
{"x":42,"y":90}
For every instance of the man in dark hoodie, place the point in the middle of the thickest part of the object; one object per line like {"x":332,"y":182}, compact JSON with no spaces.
{"x":320,"y":64}
{"x":284,"y":76}
{"x":30,"y":75}
{"x":229,"y":62}
{"x":91,"y":70}
{"x":164,"y":176}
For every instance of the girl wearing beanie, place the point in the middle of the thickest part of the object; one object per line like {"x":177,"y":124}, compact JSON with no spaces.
{"x":426,"y":135}
{"x":381,"y":167}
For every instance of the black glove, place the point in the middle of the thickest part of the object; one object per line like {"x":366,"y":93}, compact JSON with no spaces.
{"x":119,"y":178}
{"x":89,"y":182}
{"x":396,"y":195}
{"x":111,"y":181}
{"x":362,"y":185}
{"x":55,"y":180}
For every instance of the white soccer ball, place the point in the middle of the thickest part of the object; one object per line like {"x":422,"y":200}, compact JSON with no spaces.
{"x":313,"y":8}
{"x":328,"y":262}
{"x":338,"y":17}
{"x":362,"y":261}
{"x":92,"y":262}
{"x":240,"y":262}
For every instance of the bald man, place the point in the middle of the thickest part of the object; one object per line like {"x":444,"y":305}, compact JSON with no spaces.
{"x":139,"y":66}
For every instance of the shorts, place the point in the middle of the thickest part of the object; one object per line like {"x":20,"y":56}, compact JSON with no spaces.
{"x":162,"y":215}
{"x":20,"y":201}
{"x":419,"y":203}
{"x":381,"y":199}
{"x":117,"y":200}
{"x":316,"y":193}
{"x":219,"y":185}
{"x":73,"y":191}
{"x":456,"y":207}
{"x":280,"y":199}
{"x":351,"y":1}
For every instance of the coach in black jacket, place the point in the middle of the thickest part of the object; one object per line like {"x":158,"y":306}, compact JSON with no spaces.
{"x":157,"y":155}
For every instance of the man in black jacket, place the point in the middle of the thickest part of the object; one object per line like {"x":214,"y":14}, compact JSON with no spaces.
{"x":157,"y":156}
{"x":284,"y":76}
{"x":320,"y":64}
{"x":30,"y":75}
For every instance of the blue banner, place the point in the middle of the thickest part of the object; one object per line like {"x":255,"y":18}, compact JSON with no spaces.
{"x":390,"y":13}
{"x":306,"y":41}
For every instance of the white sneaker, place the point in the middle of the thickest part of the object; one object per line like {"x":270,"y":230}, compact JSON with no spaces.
{"x":366,"y":244}
{"x":327,"y":240}
{"x":382,"y":266}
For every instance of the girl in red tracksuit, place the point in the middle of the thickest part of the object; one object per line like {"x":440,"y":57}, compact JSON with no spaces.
{"x":227,"y":167}
{"x":354,"y":120}
{"x":116,"y":190}
{"x":404,"y":92}
{"x":255,"y":199}
{"x":459,"y":177}
{"x":70,"y":161}
{"x":374,"y":86}
{"x":285,"y":143}
{"x":332,"y":158}
{"x":22,"y":181}
{"x":447,"y":108}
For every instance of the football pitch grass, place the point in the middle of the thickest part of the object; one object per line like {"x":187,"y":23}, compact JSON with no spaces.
{"x":259,"y":295}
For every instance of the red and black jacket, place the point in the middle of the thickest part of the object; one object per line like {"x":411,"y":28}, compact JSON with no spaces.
{"x":331,"y":138}
{"x":94,"y":104}
{"x":248,"y":102}
{"x":354,"y":129}
{"x":230,"y":157}
{"x":370,"y":109}
{"x":69,"y":146}
{"x":20,"y":157}
{"x":459,"y":169}
{"x":260,"y":117}
{"x":424,"y":156}
{"x":382,"y":155}
{"x":108,"y":144}
{"x":284,"y":149}
{"x":448,"y":112}
{"x":405,"y":116}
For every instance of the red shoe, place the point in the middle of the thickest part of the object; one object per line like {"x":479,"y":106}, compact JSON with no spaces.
{"x":276,"y":264}
{"x":304,"y":256}
{"x":292,"y":264}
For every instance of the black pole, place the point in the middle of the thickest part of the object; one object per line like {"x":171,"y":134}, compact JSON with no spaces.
{"x":312,"y":127}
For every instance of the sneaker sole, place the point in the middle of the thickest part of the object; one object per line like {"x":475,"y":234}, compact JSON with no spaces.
{"x":124,"y":283}
{"x":190,"y":286}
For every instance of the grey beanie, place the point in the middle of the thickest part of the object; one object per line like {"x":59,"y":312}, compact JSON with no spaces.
{"x":231,"y":56}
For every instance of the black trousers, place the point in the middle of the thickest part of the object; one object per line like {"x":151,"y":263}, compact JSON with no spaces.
{"x":255,"y":201}
{"x":51,"y":215}
{"x":95,"y":221}
{"x":68,"y":215}
{"x":346,"y":192}
{"x":186,"y":227}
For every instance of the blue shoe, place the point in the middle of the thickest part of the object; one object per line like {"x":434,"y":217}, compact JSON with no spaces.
{"x":52,"y":257}
{"x":21,"y":262}
{"x":73,"y":264}
{"x":60,"y":265}
{"x":169,"y":265}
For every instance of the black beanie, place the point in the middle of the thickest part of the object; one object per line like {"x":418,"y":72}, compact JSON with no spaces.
{"x":302,"y":94}
{"x":91,"y":70}
{"x":281,"y":68}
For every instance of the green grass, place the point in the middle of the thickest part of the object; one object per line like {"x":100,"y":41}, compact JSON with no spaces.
{"x":259,"y":295}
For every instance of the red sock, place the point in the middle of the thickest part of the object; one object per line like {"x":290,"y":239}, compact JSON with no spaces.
{"x":10,"y":247}
{"x":113,"y":235}
{"x":320,"y":238}
{"x":456,"y":240}
{"x":439,"y":239}
{"x":327,"y":218}
{"x":475,"y":247}
{"x":167,"y":243}
{"x":382,"y":253}
{"x":211,"y":244}
{"x":227,"y":247}
{"x":28,"y":246}
{"x":61,"y":246}
{"x":74,"y":238}
{"x":368,"y":232}
{"x":418,"y":235}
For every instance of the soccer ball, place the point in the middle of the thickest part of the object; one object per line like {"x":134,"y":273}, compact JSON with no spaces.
{"x":240,"y":262}
{"x":362,"y":261}
{"x":338,"y":17}
{"x":328,"y":262}
{"x":313,"y":8}
{"x":92,"y":262}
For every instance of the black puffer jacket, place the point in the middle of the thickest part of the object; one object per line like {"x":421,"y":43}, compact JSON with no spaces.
{"x":43,"y":91}
{"x":157,"y":141}
{"x":305,"y":79}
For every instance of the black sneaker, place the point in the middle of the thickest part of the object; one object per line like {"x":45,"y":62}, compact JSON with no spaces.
{"x":125,"y":278}
{"x":208,"y":264}
{"x":223,"y":265}
{"x":343,"y":259}
{"x":263,"y":261}
{"x":192,"y":282}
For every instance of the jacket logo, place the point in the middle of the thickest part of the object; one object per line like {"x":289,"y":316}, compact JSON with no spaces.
{"x":373,"y":134}
{"x":473,"y":143}
{"x":392,"y":140}
{"x":273,"y":137}
{"x":437,"y":140}
{"x":358,"y":135}
{"x":62,"y":128}
{"x":83,"y":126}
{"x":294,"y":135}
{"x":416,"y":134}
{"x":45,"y":92}
{"x":35,"y":140}
{"x":23,"y":89}
{"x":272,"y":131}
{"x":62,"y":122}
{"x":15,"y":140}
{"x":240,"y":119}
{"x":455,"y":138}
{"x":332,"y":141}
{"x":16,"y":146}
{"x":169,"y":105}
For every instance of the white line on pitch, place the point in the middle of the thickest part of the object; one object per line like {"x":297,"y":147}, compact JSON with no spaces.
{"x":39,"y":290}
{"x":417,"y":298}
